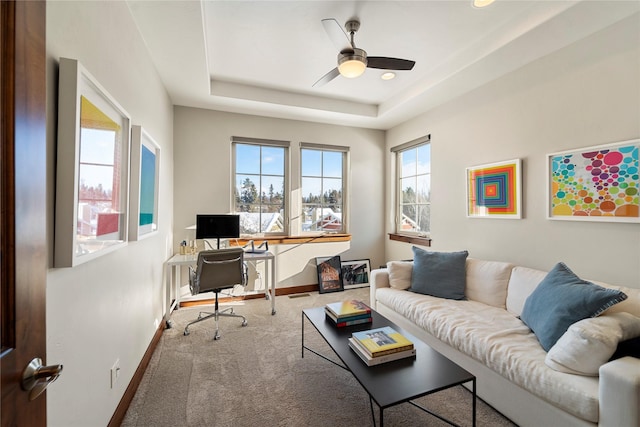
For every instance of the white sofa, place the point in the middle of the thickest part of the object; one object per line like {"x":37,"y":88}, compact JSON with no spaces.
{"x":484,"y":335}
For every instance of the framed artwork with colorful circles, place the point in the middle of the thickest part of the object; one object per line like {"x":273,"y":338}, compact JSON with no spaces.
{"x":494,"y":190}
{"x":598,"y":183}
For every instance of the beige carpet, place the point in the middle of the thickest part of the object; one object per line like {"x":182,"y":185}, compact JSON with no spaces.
{"x":255,"y":376}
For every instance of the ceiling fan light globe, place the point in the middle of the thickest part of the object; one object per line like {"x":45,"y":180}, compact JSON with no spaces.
{"x":352,"y":64}
{"x":352,"y":69}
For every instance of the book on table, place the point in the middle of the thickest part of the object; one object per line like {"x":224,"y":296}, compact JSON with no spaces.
{"x":382,"y":341}
{"x":372,"y":361}
{"x":350,"y":308}
{"x":349,"y":321}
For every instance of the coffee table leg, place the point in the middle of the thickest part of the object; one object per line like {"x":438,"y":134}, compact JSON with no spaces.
{"x":373,"y":416}
{"x":302,"y":347}
{"x":474,"y":403}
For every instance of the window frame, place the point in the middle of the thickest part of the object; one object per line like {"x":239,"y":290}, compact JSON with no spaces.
{"x":346,"y":167}
{"x":286,"y":179}
{"x":397,"y":151}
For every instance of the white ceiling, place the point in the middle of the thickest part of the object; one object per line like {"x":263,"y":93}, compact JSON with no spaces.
{"x":262,"y":57}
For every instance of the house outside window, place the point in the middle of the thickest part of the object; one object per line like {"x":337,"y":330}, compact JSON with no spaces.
{"x":260,"y":196}
{"x":413,"y":187}
{"x":323,"y":187}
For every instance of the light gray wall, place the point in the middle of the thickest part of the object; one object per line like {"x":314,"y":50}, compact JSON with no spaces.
{"x":586,"y":94}
{"x":108,"y":308}
{"x":203,"y":179}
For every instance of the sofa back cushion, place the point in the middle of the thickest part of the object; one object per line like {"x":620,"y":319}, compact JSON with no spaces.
{"x":400,"y":274}
{"x":524,"y":280}
{"x":630,"y":305}
{"x":522,"y":283}
{"x":487,"y":281}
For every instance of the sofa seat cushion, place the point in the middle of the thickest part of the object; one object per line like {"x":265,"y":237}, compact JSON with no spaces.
{"x":499,"y":340}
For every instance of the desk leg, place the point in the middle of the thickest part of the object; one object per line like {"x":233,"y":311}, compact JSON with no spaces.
{"x":273,"y":285}
{"x":168,"y":282}
{"x":176,"y":281}
{"x":267,"y":295}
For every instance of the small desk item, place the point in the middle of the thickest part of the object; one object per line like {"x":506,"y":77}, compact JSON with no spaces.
{"x":173,"y":267}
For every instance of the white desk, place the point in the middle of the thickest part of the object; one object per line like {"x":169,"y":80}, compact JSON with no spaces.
{"x":173,"y":267}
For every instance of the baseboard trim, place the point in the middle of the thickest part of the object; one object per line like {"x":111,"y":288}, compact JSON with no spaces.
{"x":118,"y":416}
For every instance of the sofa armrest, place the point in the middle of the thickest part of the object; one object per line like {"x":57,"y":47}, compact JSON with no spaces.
{"x":379,"y":279}
{"x":619,"y":393}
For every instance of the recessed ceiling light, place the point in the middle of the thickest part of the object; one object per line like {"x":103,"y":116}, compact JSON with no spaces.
{"x":482,"y":3}
{"x":388,"y":76}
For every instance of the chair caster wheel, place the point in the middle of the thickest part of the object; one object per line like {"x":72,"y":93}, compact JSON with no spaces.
{"x":216,"y":337}
{"x":244,"y":323}
{"x":185,"y":333}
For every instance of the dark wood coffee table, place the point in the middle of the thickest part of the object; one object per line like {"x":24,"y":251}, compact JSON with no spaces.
{"x":391,"y":383}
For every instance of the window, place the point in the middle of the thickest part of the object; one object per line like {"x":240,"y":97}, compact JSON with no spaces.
{"x":413,"y":169}
{"x":260,"y":189}
{"x":323,"y":183}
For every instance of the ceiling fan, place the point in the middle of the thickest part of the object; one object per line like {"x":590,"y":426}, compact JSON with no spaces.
{"x":352,"y":61}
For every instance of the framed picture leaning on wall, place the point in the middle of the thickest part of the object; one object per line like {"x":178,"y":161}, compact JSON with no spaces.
{"x":329,"y":274}
{"x":355,"y":274}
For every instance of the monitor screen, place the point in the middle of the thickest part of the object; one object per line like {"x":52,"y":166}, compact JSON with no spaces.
{"x":219,"y":226}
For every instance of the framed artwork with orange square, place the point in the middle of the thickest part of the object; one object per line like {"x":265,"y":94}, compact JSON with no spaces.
{"x":494,"y":190}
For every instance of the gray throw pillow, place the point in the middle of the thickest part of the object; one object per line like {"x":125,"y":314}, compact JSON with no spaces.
{"x":562,"y":299}
{"x":439,"y":274}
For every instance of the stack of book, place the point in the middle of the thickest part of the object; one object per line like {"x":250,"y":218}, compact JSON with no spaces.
{"x":381,"y":345}
{"x":347,"y":313}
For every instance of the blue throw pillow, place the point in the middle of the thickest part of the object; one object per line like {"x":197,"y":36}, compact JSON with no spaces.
{"x":562,"y":299}
{"x":439,"y":274}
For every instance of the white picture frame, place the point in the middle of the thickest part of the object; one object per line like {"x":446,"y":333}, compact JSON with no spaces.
{"x":494,"y":190}
{"x":145,"y":182}
{"x":595,"y":184}
{"x":92,"y":173}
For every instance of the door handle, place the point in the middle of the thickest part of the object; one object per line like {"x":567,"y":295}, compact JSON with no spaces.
{"x":36,"y":377}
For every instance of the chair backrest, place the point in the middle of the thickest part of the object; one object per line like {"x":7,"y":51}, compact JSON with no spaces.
{"x":218,"y":269}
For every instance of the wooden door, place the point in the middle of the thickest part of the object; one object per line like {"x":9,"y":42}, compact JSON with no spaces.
{"x":23,"y":249}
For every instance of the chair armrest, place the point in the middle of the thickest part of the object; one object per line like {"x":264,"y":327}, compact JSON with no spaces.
{"x":619,"y":393}
{"x":379,"y":278}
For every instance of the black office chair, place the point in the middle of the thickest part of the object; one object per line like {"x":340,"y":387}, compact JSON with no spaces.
{"x":217,"y":270}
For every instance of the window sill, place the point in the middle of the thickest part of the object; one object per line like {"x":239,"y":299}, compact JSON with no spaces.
{"x":422,"y":241}
{"x":294,"y":240}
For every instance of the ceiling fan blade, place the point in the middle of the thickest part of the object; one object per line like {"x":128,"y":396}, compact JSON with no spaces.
{"x":327,"y":78}
{"x":337,"y":35}
{"x":389,"y":63}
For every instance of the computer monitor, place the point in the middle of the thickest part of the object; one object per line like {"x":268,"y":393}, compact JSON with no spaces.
{"x":217,"y":226}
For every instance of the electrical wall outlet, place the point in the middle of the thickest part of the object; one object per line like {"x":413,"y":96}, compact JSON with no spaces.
{"x":115,"y":372}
